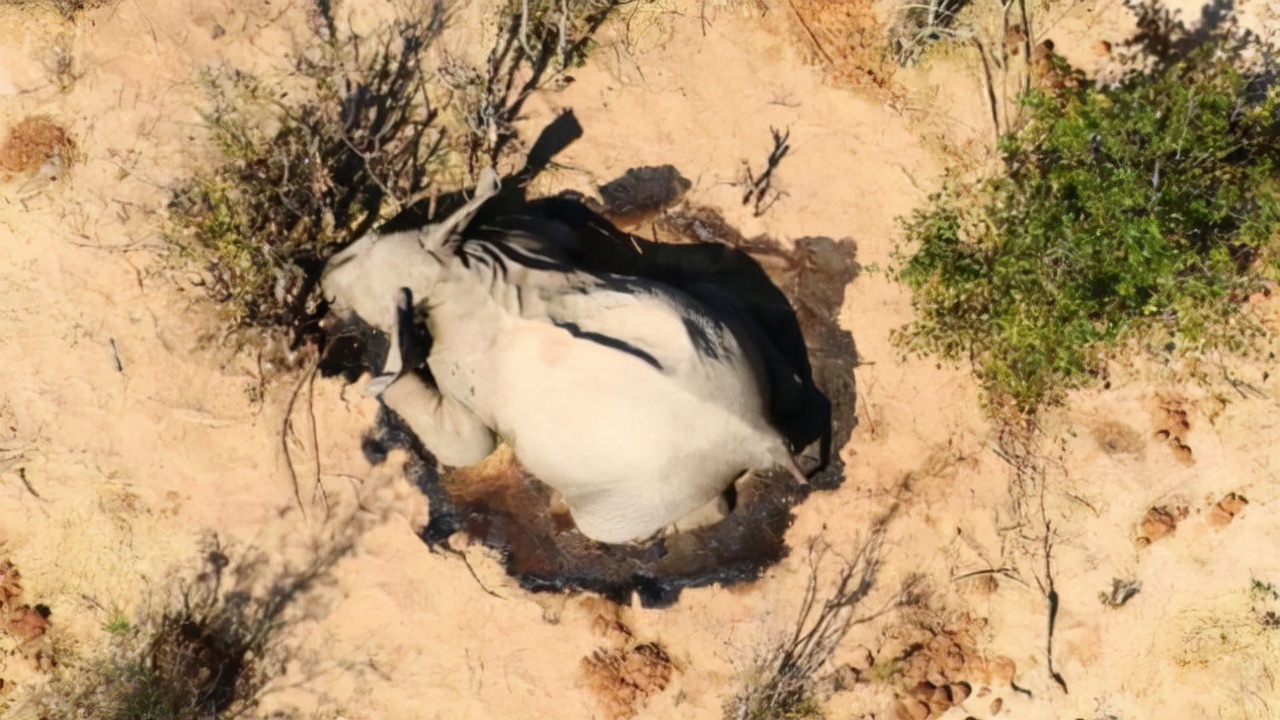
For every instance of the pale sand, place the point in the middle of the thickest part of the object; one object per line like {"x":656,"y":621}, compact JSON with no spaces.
{"x":132,"y":465}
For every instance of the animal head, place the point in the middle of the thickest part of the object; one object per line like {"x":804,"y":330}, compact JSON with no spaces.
{"x":366,"y":276}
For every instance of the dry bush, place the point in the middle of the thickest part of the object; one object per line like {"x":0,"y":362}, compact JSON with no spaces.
{"x":360,"y":144}
{"x":365,"y":139}
{"x":207,"y":648}
{"x":783,"y":682}
{"x":538,"y":40}
{"x":919,"y":24}
{"x":68,"y":8}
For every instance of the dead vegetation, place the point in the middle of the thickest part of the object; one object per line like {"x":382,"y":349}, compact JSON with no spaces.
{"x":23,"y":626}
{"x":760,"y":193}
{"x":919,"y":25}
{"x":784,"y":680}
{"x":208,"y":646}
{"x":360,"y":143}
{"x":623,"y":679}
{"x":537,"y":42}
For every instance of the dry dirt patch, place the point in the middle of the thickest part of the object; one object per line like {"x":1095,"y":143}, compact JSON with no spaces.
{"x":36,"y":144}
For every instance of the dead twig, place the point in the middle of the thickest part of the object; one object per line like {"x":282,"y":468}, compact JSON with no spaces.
{"x":1026,"y":44}
{"x":1002,"y":571}
{"x":1053,"y":607}
{"x":466,"y":561}
{"x":315,"y":438}
{"x":789,"y":669}
{"x":22,"y":475}
{"x":115,"y":355}
{"x":989,"y":84}
{"x":812,"y":36}
{"x":307,"y":378}
{"x":760,"y":189}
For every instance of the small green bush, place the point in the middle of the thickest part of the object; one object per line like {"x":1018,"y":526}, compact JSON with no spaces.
{"x":1150,"y":206}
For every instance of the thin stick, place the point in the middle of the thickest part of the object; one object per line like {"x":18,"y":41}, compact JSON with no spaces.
{"x":1051,"y":592}
{"x":990,"y":85}
{"x":1026,"y":45}
{"x":809,"y":31}
{"x":22,"y":475}
{"x":315,"y":436}
{"x":284,"y":436}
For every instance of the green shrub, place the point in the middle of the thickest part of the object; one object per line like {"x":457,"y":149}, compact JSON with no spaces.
{"x":1146,"y":208}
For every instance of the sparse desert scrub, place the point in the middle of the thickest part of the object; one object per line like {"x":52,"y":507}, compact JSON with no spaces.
{"x":1145,"y":209}
{"x":208,"y":645}
{"x":783,"y":681}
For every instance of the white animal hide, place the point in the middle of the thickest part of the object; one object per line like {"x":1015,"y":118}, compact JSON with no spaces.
{"x":632,"y":399}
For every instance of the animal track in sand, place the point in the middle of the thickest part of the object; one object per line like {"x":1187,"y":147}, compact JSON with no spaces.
{"x":1173,"y":422}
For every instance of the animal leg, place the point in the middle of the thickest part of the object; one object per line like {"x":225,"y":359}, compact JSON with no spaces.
{"x":711,"y":513}
{"x":444,"y":426}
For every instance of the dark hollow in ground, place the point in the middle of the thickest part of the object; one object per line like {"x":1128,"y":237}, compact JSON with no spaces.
{"x":794,"y":297}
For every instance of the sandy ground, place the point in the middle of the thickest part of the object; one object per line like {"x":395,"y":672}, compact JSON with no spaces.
{"x":125,"y":432}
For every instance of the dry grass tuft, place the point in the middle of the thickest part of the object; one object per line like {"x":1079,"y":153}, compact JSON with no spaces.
{"x":1117,"y":438}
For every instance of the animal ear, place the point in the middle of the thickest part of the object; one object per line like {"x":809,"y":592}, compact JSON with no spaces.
{"x":486,"y":187}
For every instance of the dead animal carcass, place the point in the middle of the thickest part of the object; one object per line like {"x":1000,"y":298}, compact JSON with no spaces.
{"x":639,"y":402}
